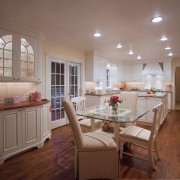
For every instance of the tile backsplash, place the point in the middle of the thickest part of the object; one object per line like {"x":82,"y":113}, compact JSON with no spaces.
{"x":18,"y":89}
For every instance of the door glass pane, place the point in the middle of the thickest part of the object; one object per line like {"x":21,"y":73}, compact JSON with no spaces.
{"x":57,"y":89}
{"x":62,"y":68}
{"x":73,"y":80}
{"x":62,"y":79}
{"x":53,"y":91}
{"x":57,"y":68}
{"x":53,"y":67}
{"x":57,"y":79}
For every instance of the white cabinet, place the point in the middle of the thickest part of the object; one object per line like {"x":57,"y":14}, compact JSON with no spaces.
{"x":148,"y":103}
{"x":151,"y":103}
{"x":19,"y":57}
{"x":95,"y":100}
{"x":133,"y":72}
{"x":10,"y":132}
{"x":169,"y":101}
{"x":142,"y":106}
{"x":114,"y":74}
{"x":23,"y":128}
{"x":95,"y":68}
{"x":121,"y":72}
{"x":31,"y":126}
{"x":167,"y":71}
{"x":45,"y":122}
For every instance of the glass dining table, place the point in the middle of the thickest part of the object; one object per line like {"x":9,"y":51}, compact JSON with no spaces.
{"x":105,"y":113}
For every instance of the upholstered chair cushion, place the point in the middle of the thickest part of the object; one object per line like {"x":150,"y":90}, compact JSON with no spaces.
{"x":74,"y":122}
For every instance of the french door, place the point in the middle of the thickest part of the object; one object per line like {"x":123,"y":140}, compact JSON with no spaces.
{"x":62,"y":81}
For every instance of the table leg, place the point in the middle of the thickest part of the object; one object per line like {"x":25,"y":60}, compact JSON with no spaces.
{"x":116,"y":134}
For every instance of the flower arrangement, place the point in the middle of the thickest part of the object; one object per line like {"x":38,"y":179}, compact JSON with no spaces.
{"x":153,"y":90}
{"x":114,"y":100}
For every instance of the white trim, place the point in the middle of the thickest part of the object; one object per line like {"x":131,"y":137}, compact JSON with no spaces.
{"x":64,"y":57}
{"x":19,"y":29}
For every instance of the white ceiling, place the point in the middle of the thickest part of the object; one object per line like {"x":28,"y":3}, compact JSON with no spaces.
{"x":73,"y":22}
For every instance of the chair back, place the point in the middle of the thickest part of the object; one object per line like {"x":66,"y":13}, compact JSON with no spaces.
{"x":156,"y":121}
{"x":71,"y":114}
{"x":79,"y":102}
{"x":129,"y":100}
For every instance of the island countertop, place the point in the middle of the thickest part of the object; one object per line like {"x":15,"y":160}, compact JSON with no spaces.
{"x":21,"y":105}
{"x":140,"y":94}
{"x":156,"y":95}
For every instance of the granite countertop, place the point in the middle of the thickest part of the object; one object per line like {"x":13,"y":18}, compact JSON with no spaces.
{"x":21,"y":105}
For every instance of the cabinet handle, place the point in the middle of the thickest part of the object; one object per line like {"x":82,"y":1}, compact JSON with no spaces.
{"x":14,"y":78}
{"x":19,"y":110}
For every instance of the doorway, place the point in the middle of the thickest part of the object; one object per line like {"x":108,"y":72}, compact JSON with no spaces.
{"x":177,"y":88}
{"x":62,"y":81}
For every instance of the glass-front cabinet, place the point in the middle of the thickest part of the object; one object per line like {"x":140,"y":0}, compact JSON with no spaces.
{"x":18,"y":57}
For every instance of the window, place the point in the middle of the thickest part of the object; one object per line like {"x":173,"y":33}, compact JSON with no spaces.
{"x":107,"y":77}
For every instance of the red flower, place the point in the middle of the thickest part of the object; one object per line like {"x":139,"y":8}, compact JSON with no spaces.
{"x":113,"y":100}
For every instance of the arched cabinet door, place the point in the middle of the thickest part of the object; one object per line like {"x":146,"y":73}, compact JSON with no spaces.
{"x":19,"y":57}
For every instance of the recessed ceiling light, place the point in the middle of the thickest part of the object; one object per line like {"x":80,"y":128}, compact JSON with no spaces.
{"x":167,"y":48}
{"x":170,"y":54}
{"x":164,"y":38}
{"x":119,"y":46}
{"x":139,"y":57}
{"x":97,"y":34}
{"x":157,"y":19}
{"x":130,"y":52}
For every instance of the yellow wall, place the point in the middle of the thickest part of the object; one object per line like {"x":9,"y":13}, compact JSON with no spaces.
{"x":58,"y":50}
{"x":176,"y":61}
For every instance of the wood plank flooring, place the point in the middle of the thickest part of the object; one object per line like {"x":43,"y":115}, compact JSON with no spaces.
{"x":55,"y":159}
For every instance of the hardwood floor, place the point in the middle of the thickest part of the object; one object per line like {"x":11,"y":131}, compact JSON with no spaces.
{"x":55,"y":159}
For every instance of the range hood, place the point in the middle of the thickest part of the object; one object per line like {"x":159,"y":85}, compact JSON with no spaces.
{"x":152,"y":69}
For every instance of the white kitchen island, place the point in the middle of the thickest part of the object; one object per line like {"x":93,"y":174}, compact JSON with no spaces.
{"x":147,"y":102}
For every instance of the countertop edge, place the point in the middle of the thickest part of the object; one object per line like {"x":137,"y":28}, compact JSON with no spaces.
{"x":4,"y":107}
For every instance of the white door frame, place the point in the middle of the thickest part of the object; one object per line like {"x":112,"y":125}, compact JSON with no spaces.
{"x":66,"y":60}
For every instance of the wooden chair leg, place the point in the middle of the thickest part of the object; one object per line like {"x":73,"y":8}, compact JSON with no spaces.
{"x":156,"y":149}
{"x":151,"y":157}
{"x":121,"y":149}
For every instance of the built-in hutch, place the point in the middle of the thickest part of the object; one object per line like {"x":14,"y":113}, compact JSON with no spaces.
{"x":19,"y":54}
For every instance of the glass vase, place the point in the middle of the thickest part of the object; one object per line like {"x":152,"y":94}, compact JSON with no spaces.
{"x":115,"y":108}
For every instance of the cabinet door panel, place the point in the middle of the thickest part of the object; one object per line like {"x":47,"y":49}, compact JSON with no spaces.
{"x":10,"y":123}
{"x":151,"y":103}
{"x":45,"y":121}
{"x":31,"y":126}
{"x":141,"y":106}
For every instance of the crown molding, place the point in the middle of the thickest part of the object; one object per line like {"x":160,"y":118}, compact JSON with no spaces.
{"x":16,"y":28}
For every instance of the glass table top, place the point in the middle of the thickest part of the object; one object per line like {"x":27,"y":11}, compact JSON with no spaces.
{"x":106,"y":114}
